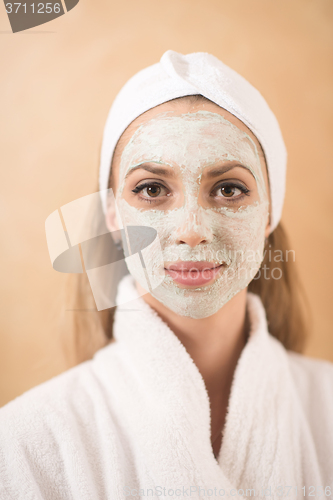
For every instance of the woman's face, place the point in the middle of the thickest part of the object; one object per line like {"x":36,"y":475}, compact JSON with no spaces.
{"x":197,"y":175}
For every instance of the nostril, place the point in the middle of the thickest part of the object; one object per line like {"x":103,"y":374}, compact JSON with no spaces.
{"x":192,"y":240}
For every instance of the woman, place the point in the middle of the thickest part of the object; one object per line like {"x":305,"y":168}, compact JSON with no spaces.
{"x":203,"y":390}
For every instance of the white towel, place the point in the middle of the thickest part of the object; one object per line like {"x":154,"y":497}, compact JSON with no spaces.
{"x":136,"y":419}
{"x":177,"y":75}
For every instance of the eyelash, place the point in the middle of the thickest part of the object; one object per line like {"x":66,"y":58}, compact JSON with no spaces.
{"x":138,"y":189}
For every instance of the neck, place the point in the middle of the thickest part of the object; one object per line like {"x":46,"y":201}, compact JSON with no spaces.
{"x":215,"y":344}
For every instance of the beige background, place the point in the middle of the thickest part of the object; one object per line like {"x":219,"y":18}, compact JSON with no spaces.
{"x":57,"y":83}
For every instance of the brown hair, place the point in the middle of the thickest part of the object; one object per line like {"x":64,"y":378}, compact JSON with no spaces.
{"x":281,"y":293}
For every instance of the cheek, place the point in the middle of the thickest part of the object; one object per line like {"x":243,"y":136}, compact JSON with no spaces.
{"x":133,"y":216}
{"x":242,"y":238}
{"x":242,"y":228}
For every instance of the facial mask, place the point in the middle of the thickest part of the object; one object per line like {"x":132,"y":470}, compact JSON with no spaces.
{"x":190,"y":143}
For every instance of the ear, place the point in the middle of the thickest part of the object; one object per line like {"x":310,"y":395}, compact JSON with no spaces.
{"x":111,"y":219}
{"x":112,"y":222}
{"x":268,"y":227}
{"x":267,"y":230}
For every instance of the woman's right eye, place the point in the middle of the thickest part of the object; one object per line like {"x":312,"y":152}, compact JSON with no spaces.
{"x":153,"y":190}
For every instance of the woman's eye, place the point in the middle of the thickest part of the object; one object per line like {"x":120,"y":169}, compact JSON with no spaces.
{"x":149,"y":190}
{"x":231,"y":191}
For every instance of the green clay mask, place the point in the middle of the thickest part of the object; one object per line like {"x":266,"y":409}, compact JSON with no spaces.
{"x":230,"y":234}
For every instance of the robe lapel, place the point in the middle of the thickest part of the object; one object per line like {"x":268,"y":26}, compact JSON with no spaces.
{"x":266,"y":434}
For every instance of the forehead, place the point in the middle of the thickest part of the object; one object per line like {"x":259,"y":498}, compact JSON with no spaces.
{"x":190,"y":139}
{"x":175,"y":108}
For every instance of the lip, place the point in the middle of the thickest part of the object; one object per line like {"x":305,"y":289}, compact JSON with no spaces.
{"x":193,"y":273}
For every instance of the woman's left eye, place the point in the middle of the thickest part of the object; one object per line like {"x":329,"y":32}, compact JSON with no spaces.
{"x":230,"y":190}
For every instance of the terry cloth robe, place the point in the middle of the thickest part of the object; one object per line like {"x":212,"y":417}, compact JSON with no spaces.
{"x":134,"y":422}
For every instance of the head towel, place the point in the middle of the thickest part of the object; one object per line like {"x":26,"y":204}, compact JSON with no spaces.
{"x":178,"y":75}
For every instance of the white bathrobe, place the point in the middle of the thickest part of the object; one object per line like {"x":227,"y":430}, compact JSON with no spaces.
{"x":134,"y":422}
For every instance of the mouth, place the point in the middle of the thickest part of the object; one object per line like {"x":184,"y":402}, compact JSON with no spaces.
{"x":193,"y":273}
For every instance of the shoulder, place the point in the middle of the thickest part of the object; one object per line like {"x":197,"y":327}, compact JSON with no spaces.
{"x":311,"y":375}
{"x":51,"y":433}
{"x":79,"y":388}
{"x":48,"y":396}
{"x":48,"y":410}
{"x":71,"y":396}
{"x":313,"y":379}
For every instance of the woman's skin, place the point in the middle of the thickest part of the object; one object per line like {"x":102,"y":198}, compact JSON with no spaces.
{"x":215,"y":342}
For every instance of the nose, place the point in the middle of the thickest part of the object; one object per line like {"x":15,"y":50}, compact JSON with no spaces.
{"x":192,"y":230}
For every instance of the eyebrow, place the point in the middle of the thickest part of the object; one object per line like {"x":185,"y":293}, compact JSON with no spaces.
{"x":216,"y":172}
{"x":153,"y":170}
